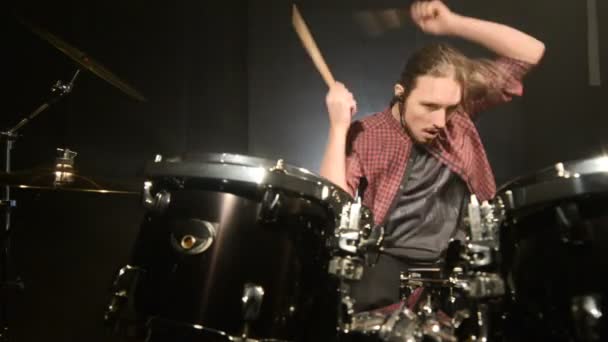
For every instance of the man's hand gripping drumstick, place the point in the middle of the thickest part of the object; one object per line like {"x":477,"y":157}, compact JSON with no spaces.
{"x":337,"y":89}
{"x":341,"y":106}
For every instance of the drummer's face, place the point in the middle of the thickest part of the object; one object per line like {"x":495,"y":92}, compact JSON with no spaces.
{"x":429,"y":105}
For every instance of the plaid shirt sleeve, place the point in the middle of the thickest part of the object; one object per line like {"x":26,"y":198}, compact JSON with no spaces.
{"x":508,"y":84}
{"x":354,"y":167}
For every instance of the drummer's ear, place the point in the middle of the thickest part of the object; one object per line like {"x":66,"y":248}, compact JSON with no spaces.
{"x":399,"y":93}
{"x":399,"y":90}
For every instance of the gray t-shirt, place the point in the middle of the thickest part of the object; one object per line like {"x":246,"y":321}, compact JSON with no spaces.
{"x":428,"y":211}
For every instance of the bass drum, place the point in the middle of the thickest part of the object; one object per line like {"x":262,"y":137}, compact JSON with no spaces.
{"x":236,"y":248}
{"x":553,"y":245}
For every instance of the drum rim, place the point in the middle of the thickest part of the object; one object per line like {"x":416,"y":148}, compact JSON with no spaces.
{"x":247,"y":161}
{"x":258,"y":173}
{"x":561,"y":181}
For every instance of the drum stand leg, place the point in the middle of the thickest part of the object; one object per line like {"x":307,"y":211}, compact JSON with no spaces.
{"x":483,"y":322}
{"x":7,"y":285}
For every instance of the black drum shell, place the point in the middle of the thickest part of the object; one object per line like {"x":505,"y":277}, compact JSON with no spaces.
{"x":285,"y":255}
{"x":553,"y":252}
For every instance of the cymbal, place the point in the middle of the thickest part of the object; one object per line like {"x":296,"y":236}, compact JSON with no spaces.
{"x":84,"y":60}
{"x":64,"y":180}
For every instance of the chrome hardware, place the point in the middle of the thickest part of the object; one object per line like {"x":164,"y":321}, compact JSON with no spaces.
{"x":435,"y":330}
{"x":483,"y":323}
{"x":350,"y":217}
{"x":270,"y":205}
{"x":354,"y":227}
{"x":367,"y":322}
{"x":563,"y":172}
{"x":188,"y":242}
{"x":474,"y":220}
{"x":347,"y":311}
{"x":509,"y":199}
{"x":157,"y":203}
{"x":349,"y":304}
{"x":349,"y":240}
{"x":279,"y":167}
{"x":147,"y":199}
{"x":587,"y":316}
{"x":459,"y":317}
{"x":477,"y":255}
{"x":124,"y":284}
{"x":477,"y":285}
{"x":403,"y":325}
{"x":64,"y":167}
{"x":336,"y":196}
{"x":162,"y":200}
{"x":482,"y":285}
{"x":346,"y":267}
{"x":193,"y":236}
{"x":484,"y":220}
{"x":66,"y":157}
{"x":253,"y":296}
{"x":354,"y":214}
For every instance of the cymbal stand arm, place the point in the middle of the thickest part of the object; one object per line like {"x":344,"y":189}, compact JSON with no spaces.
{"x":58,"y":91}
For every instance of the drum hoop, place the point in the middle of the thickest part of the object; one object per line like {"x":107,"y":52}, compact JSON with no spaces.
{"x":570,"y":169}
{"x":295,"y":181}
{"x":562,"y":181}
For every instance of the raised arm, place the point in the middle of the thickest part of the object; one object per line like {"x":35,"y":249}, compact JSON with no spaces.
{"x":340,"y":106}
{"x":434,"y":17}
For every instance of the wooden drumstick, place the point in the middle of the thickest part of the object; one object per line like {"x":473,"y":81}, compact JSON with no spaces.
{"x":310,"y":46}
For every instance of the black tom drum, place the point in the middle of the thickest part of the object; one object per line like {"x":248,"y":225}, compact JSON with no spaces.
{"x":553,"y":245}
{"x":236,"y":247}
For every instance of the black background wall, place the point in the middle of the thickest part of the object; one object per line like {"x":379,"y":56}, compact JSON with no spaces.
{"x":232,"y":77}
{"x":188,"y":58}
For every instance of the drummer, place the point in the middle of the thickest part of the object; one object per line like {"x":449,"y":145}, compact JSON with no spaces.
{"x":416,"y":163}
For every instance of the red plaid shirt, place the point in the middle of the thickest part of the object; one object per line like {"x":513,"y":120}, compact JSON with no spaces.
{"x":378,"y":148}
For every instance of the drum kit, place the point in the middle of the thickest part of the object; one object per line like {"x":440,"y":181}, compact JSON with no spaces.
{"x":239,"y":248}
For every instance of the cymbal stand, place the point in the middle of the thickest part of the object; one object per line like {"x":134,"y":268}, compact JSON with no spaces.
{"x":10,"y":283}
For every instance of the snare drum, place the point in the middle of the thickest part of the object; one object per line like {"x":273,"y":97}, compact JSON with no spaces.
{"x":553,"y":245}
{"x":237,"y":247}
